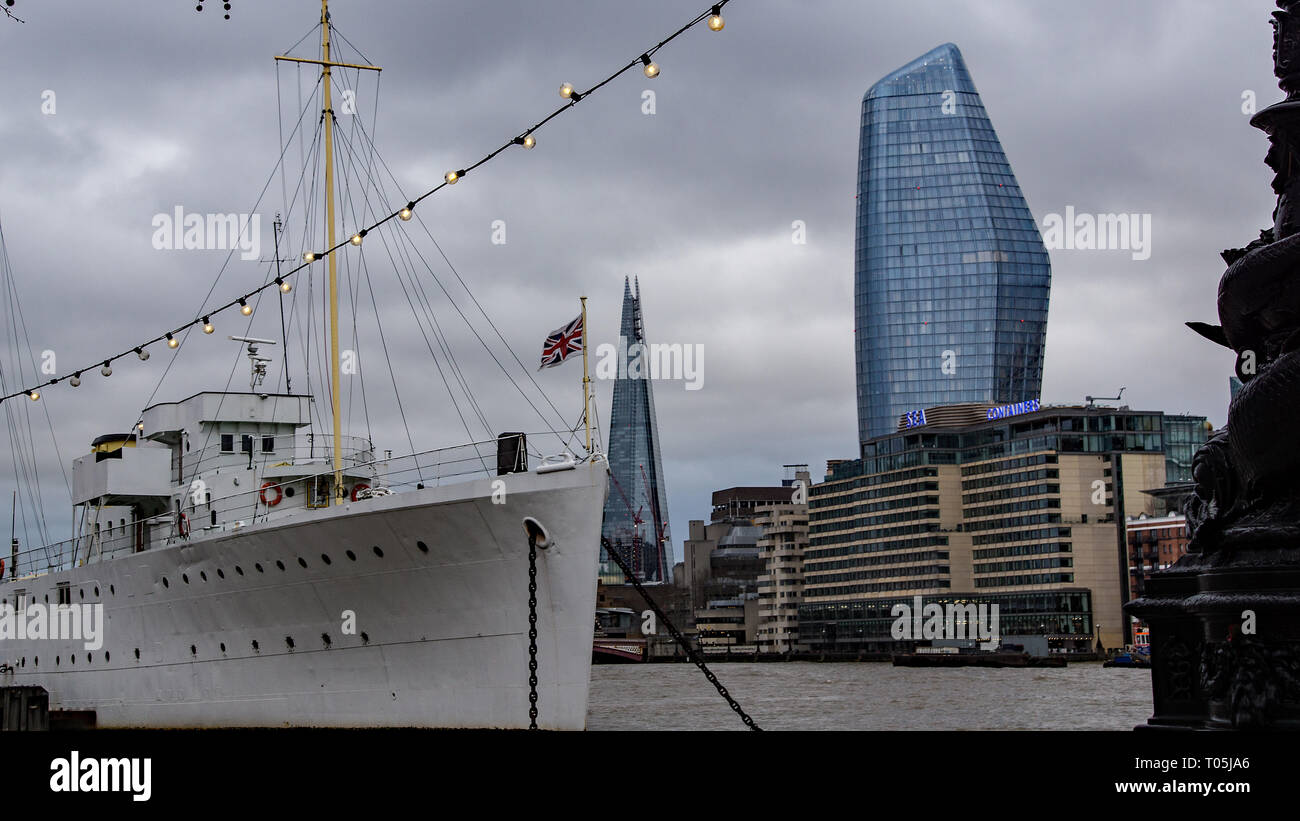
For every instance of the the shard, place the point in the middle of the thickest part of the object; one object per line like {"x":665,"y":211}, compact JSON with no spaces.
{"x":636,"y":510}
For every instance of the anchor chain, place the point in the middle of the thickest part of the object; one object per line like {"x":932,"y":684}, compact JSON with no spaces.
{"x":691,"y":655}
{"x":532,"y":631}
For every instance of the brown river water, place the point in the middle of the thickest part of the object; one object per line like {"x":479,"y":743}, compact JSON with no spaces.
{"x":868,"y":696}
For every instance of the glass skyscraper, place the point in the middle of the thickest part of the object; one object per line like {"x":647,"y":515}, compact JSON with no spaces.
{"x":951,"y":275}
{"x":636,"y":510}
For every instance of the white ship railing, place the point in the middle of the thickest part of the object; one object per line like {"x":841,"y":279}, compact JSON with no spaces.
{"x":429,"y":468}
{"x":292,"y":448}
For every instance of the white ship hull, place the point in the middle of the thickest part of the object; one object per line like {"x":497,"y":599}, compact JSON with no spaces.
{"x":445,"y":631}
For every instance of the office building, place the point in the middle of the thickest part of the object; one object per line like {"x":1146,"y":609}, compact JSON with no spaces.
{"x":1023,"y":506}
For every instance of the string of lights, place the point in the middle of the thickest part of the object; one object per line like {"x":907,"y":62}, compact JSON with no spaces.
{"x":282,"y":281}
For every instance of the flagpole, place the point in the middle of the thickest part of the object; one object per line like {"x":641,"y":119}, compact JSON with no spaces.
{"x":586,"y":380}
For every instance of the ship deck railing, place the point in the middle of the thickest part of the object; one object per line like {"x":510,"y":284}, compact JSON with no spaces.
{"x":430,"y":468}
{"x":292,"y":448}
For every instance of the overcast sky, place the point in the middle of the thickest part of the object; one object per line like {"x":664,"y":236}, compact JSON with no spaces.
{"x":1108,"y":107}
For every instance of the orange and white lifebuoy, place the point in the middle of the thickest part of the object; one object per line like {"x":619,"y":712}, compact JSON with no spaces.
{"x":279,"y":494}
{"x":357,"y":489}
{"x":183,"y":525}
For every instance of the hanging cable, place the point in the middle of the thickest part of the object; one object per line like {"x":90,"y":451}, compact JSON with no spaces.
{"x":573,"y":97}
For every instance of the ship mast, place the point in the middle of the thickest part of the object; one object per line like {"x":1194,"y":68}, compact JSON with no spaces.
{"x":335,"y":387}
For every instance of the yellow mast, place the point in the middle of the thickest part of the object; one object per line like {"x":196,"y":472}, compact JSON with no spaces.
{"x":335,"y":386}
{"x":586,"y":380}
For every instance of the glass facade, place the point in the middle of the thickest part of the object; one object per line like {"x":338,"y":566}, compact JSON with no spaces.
{"x":952,"y":277}
{"x":636,"y":510}
{"x":1184,"y":435}
{"x":865,"y":625}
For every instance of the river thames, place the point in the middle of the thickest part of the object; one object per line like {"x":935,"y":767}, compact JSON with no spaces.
{"x":868,"y":696}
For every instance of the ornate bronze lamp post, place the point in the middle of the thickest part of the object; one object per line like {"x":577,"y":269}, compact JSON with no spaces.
{"x":1225,"y":620}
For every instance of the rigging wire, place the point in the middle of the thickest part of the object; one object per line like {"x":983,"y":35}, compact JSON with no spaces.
{"x":571,"y":94}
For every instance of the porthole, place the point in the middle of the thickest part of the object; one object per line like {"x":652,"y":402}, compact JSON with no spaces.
{"x":258,"y":567}
{"x":165,"y":584}
{"x":106,"y":656}
{"x":203,"y":574}
{"x":223,"y":647}
{"x":185,"y":577}
{"x":96,"y":592}
{"x":194,"y":651}
{"x":36,"y":661}
{"x":325,"y":639}
{"x":239,"y":570}
{"x":88,"y":658}
{"x":112,"y":591}
{"x":279,"y":564}
{"x":81,"y":591}
{"x":365,"y":637}
{"x":72,"y":658}
{"x":137,"y":654}
{"x":289,"y":491}
{"x":352,"y":555}
{"x":56,"y":661}
{"x":424,"y":548}
{"x":221,"y":574}
{"x":289,"y":641}
{"x":302,"y":562}
{"x":325,"y":558}
{"x":379,"y":552}
{"x":255,"y":648}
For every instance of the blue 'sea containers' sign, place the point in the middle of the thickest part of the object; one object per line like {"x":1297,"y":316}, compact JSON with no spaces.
{"x":1028,"y":406}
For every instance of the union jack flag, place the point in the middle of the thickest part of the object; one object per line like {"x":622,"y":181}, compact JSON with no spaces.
{"x":562,"y":343}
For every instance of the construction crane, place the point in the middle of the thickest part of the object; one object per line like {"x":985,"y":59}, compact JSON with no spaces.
{"x":1092,"y":400}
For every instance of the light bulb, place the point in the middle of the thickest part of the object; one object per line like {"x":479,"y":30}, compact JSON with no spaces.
{"x":651,"y":69}
{"x":309,"y":256}
{"x":245,"y":308}
{"x":172,"y":342}
{"x":107,"y":370}
{"x":451,"y":177}
{"x":356,"y":238}
{"x":75,"y":381}
{"x":529,"y":141}
{"x":285,"y":287}
{"x":142,"y":353}
{"x":715,"y":19}
{"x":566,"y":90}
{"x":139,"y":425}
{"x":33,"y":395}
{"x":207,"y":326}
{"x":405,"y":214}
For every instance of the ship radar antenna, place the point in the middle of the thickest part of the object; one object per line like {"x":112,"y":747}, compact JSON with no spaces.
{"x":257,"y":364}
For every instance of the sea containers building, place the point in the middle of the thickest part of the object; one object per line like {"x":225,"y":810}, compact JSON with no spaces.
{"x":951,"y":275}
{"x":977,"y":503}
